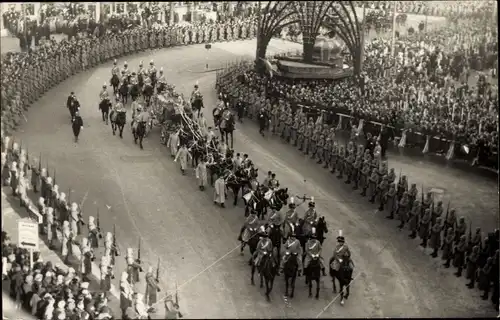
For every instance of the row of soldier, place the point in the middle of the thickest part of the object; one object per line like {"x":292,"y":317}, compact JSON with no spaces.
{"x":26,"y":77}
{"x":437,"y":226}
{"x":62,"y":224}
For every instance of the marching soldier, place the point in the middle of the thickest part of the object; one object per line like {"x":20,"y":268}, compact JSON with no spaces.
{"x":340,"y":165}
{"x":14,"y":178}
{"x":356,"y":172}
{"x":451,"y":219}
{"x":67,"y":242}
{"x":300,"y":135}
{"x":76,"y":219}
{"x":51,"y":227}
{"x":87,"y":258}
{"x":313,"y":250}
{"x":448,"y":247}
{"x":392,"y":175}
{"x":403,"y":210}
{"x":308,"y":136}
{"x":54,"y":198}
{"x":438,"y":211}
{"x":94,"y":234}
{"x":372,"y":185}
{"x":415,"y":211}
{"x":402,"y":186}
{"x":62,"y":208}
{"x":435,"y":237}
{"x":412,"y":194}
{"x":327,"y":151}
{"x":106,"y":273}
{"x":424,"y":227}
{"x":333,"y":157}
{"x":152,"y":288}
{"x":459,"y":255}
{"x":110,"y":248}
{"x":349,"y":165}
{"x":47,"y":191}
{"x":460,"y":229}
{"x":22,"y":190}
{"x":161,"y":81}
{"x":41,"y":208}
{"x":382,"y":189}
{"x":320,"y":145}
{"x":133,"y":267}
{"x":485,"y":276}
{"x":472,"y":265}
{"x":126,"y":293}
{"x":292,"y":249}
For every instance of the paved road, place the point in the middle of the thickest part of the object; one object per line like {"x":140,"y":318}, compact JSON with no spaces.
{"x":196,"y":241}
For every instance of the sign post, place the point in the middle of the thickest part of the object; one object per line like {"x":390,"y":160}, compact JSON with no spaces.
{"x":28,"y":237}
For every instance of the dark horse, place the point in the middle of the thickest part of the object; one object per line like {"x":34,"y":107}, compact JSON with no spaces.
{"x":313,"y":273}
{"x":147,"y":92}
{"x":344,"y":276}
{"x":134,"y":92}
{"x":321,"y":229}
{"x":197,"y":105}
{"x":252,"y":242}
{"x":104,"y":106}
{"x":276,"y":235}
{"x":118,"y":121}
{"x":115,"y":82}
{"x":236,"y":182}
{"x":139,"y":130}
{"x":124,"y":92}
{"x":291,"y":269}
{"x":267,"y":269}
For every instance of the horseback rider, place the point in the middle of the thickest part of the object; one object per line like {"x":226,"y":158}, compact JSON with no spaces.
{"x":251,"y":224}
{"x":291,"y":216}
{"x":265,"y":246}
{"x":341,"y":252}
{"x":196,"y":94}
{"x":292,"y":248}
{"x":313,"y":249}
{"x":126,"y":70}
{"x":141,"y":70}
{"x":115,"y":70}
{"x":276,"y":219}
{"x":133,"y":79}
{"x":152,"y":71}
{"x":273,"y":182}
{"x":161,"y":80}
{"x":104,"y":92}
{"x":311,"y":215}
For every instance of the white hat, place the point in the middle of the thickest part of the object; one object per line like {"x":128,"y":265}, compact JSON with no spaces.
{"x":50,"y":210}
{"x":71,"y":270}
{"x":48,"y":274}
{"x":313,"y":230}
{"x":312,"y":199}
{"x":130,"y":252}
{"x":140,"y":63}
{"x":151,"y":62}
{"x":292,"y":200}
{"x":55,"y":188}
{"x":91,"y":219}
{"x":60,"y":278}
{"x":104,"y":85}
{"x":85,"y":292}
{"x":49,"y":180}
{"x":109,"y":235}
{"x":161,"y":69}
{"x":74,"y":206}
{"x":38,"y":278}
{"x":61,"y":304}
{"x":84,"y":285}
{"x":62,"y":196}
{"x":41,"y":201}
{"x":124,"y":276}
{"x":125,"y":63}
{"x":150,"y":269}
{"x":340,"y":233}
{"x":115,"y":61}
{"x":139,"y":297}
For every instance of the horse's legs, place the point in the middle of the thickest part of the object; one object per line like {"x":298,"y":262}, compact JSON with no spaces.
{"x":236,"y":191}
{"x":253,"y":271}
{"x":261,"y":280}
{"x":286,"y":286}
{"x":348,"y":290}
{"x":230,"y":134}
{"x":121,"y":130}
{"x":317,"y":288}
{"x":341,"y":293}
{"x":293,"y":285}
{"x":310,"y":286}
{"x":242,"y":248}
{"x":334,"y":286}
{"x":113,"y":127}
{"x":140,"y":141}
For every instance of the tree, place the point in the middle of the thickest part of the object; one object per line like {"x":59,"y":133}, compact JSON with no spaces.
{"x":273,"y":17}
{"x":344,"y":21}
{"x":311,"y":15}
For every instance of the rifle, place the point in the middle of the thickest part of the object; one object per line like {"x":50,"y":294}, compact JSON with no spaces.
{"x":54,"y":176}
{"x":177,"y":300}
{"x":158,"y":271}
{"x":422,"y":201}
{"x":99,"y":224}
{"x":114,"y":241}
{"x":139,"y":252}
{"x":40,"y":164}
{"x":446,"y":219}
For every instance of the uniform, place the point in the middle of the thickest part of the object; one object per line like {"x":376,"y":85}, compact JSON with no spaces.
{"x":250,"y":227}
{"x":424,"y":227}
{"x":152,"y":288}
{"x":264,"y":247}
{"x":459,"y":255}
{"x":313,"y":250}
{"x":94,"y":234}
{"x":107,"y":273}
{"x":435,"y":237}
{"x":276,"y":219}
{"x":133,"y":267}
{"x":87,"y":258}
{"x":110,"y":248}
{"x":292,"y":248}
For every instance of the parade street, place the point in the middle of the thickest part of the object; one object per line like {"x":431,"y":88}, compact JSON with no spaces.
{"x":144,"y":194}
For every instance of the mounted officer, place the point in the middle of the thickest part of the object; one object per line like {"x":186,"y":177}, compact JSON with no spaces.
{"x":341,"y":252}
{"x":273,"y":182}
{"x":161,"y":81}
{"x":291,"y":218}
{"x":311,"y":216}
{"x":250,"y":228}
{"x":152,"y":73}
{"x":265,"y":246}
{"x":313,"y":250}
{"x":126,"y":71}
{"x":292,"y":249}
{"x":104,"y":103}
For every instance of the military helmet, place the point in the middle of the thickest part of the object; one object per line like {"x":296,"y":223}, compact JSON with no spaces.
{"x":312,"y":204}
{"x":340,"y":237}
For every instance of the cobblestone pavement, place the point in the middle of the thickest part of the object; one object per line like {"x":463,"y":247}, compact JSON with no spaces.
{"x":144,"y":194}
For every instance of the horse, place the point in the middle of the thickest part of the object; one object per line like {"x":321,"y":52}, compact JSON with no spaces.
{"x":235,"y":183}
{"x":226,"y":127}
{"x":313,"y":273}
{"x":147,"y":92}
{"x":343,"y":275}
{"x":278,"y":199}
{"x":267,"y":269}
{"x":118,"y":121}
{"x":115,"y":82}
{"x":135,"y":92}
{"x":276,"y":235}
{"x":197,"y":105}
{"x":290,"y":271}
{"x":250,"y":238}
{"x":255,"y":200}
{"x":321,"y":229}
{"x":104,"y":106}
{"x":139,"y":131}
{"x":124,"y":92}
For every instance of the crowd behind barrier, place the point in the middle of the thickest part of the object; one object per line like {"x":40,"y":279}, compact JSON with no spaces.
{"x":438,"y":225}
{"x":451,"y":9}
{"x":25,"y":78}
